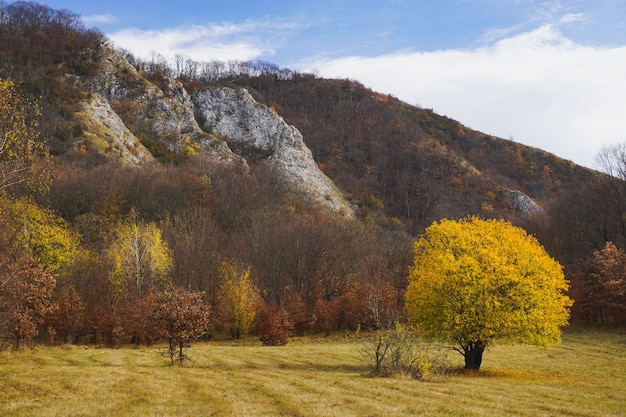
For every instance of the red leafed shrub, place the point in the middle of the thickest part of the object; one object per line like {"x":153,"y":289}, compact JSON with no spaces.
{"x":273,"y":325}
{"x":300,"y":320}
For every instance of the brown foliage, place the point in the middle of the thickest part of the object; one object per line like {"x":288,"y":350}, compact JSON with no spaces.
{"x":69,"y":316}
{"x":381,"y":305}
{"x":32,"y":34}
{"x":273,"y":325}
{"x":133,"y":319}
{"x":298,"y":316}
{"x":179,"y":316}
{"x":25,"y":300}
{"x":599,"y":288}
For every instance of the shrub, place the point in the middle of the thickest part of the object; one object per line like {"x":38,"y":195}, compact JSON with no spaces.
{"x":400,"y":352}
{"x":273,"y":325}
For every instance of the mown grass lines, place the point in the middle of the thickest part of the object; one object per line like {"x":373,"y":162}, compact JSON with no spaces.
{"x":312,"y":377}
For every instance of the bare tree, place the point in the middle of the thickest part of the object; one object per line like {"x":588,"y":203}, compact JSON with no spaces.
{"x":612,"y":186}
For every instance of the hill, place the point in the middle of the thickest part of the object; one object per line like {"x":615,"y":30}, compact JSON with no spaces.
{"x":422,"y":165}
{"x":317,"y":186}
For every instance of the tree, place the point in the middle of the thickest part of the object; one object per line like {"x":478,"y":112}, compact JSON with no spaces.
{"x":20,"y":152}
{"x":140,"y":258}
{"x":69,"y":316}
{"x":600,"y":285}
{"x":239,"y":295}
{"x":45,"y":236}
{"x":478,"y":282}
{"x":611,"y":192}
{"x":180,"y":316}
{"x":25,"y":300}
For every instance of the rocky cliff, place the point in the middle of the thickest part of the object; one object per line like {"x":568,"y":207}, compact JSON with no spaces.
{"x":126,"y":112}
{"x":104,"y":131}
{"x":258,"y":132}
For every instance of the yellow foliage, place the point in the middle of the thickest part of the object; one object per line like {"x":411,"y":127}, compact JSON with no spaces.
{"x":483,"y":281}
{"x":140,"y":258}
{"x":240,"y":296}
{"x":21,"y":154}
{"x":191,"y":148}
{"x":45,"y":236}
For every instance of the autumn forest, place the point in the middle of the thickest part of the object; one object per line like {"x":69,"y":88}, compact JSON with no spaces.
{"x":97,"y":251}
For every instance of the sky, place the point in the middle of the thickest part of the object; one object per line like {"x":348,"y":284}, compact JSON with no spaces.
{"x":545,"y":73}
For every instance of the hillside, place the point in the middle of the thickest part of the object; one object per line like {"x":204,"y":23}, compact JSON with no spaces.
{"x":316,"y":187}
{"x":422,"y":165}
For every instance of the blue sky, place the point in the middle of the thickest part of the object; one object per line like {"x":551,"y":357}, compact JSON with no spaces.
{"x":547,"y":73}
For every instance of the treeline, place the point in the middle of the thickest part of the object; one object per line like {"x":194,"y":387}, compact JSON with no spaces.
{"x":111,"y":239}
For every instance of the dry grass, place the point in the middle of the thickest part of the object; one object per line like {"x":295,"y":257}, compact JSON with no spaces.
{"x":585,"y":376}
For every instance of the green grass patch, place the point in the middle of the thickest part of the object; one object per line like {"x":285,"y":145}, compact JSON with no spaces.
{"x":584,"y":376}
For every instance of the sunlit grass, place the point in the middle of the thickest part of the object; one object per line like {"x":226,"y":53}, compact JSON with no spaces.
{"x":585,"y":376}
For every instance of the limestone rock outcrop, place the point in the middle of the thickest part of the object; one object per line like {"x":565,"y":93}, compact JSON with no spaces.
{"x":126,"y":109}
{"x":519,"y":202}
{"x":258,"y":132}
{"x":103,"y":130}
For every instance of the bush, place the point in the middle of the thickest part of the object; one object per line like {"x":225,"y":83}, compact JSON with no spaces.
{"x":273,"y":325}
{"x":400,"y":352}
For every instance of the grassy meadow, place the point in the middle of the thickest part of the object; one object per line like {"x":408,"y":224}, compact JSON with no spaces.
{"x":584,"y":376}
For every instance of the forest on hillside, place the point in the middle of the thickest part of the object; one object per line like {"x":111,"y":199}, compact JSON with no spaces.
{"x":88,"y":246}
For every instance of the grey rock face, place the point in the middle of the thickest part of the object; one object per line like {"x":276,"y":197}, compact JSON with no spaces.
{"x":243,"y":123}
{"x":169,"y":114}
{"x":165,"y":115}
{"x":106,"y":132}
{"x":519,"y":201}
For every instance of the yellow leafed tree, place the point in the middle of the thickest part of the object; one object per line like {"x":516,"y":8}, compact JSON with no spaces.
{"x":239,"y":296}
{"x":478,"y":282}
{"x":21,"y":154}
{"x":42,"y":234}
{"x":140,"y":258}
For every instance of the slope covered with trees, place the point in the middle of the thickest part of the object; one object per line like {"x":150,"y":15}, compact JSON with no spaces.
{"x":420,"y":164}
{"x":99,"y":247}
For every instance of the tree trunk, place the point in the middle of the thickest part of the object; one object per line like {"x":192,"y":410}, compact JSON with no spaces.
{"x":172,"y":350}
{"x":474,"y":356}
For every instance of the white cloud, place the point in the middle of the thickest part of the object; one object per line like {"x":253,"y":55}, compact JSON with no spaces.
{"x":538,"y":87}
{"x":99,"y":18}
{"x":572,"y":17}
{"x":225,"y":41}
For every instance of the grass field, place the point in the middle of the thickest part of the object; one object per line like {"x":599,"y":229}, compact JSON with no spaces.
{"x":585,"y":376}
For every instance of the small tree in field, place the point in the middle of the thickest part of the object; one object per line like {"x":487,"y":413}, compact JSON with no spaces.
{"x":180,"y":316}
{"x":479,"y":282}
